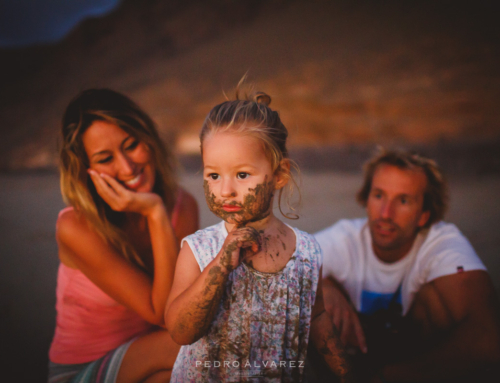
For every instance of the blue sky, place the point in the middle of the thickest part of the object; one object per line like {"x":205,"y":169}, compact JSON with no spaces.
{"x":26,"y":22}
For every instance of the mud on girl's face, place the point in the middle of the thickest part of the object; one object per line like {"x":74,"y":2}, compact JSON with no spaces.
{"x":238,"y":178}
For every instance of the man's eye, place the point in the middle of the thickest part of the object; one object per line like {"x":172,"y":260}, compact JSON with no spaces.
{"x":213,"y":176}
{"x":404,"y":201}
{"x":242,"y":175}
{"x":377,"y":195}
{"x":104,"y":160}
{"x":132,"y":145}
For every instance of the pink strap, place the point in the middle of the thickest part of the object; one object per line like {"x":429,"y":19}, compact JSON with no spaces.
{"x":67,"y":208}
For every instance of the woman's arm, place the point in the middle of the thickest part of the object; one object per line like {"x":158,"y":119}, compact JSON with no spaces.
{"x":196,"y":295}
{"x":81,"y":247}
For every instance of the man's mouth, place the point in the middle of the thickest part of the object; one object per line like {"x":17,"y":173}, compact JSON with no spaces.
{"x":385,"y":228}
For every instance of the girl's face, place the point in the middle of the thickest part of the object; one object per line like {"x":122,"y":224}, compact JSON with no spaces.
{"x":238,"y":178}
{"x":114,"y":152}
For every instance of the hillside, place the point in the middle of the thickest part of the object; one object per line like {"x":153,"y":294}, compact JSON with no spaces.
{"x":340,"y":73}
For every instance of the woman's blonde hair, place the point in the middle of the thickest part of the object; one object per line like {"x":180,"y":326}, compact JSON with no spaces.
{"x":253,"y":116}
{"x":76,"y":186}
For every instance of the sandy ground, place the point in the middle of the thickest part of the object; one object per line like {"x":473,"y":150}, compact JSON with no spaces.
{"x":29,"y":204}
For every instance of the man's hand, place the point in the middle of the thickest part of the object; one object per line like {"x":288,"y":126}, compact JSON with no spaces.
{"x":343,"y":315}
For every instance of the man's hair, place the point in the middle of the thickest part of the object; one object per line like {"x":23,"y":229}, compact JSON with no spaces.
{"x":436,"y":192}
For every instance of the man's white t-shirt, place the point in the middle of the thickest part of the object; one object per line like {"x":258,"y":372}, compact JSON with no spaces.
{"x":371,"y":284}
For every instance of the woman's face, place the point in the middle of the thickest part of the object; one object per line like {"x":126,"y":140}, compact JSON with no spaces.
{"x":114,"y":152}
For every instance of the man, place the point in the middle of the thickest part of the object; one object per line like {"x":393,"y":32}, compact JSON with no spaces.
{"x":406,"y":290}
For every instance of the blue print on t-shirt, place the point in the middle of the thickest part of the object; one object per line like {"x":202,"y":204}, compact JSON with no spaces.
{"x":372,"y":301}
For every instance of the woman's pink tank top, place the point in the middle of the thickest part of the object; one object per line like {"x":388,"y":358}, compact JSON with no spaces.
{"x":89,"y":322}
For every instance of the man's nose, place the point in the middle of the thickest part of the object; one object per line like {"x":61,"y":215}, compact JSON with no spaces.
{"x":386,"y":210}
{"x":227,"y":188}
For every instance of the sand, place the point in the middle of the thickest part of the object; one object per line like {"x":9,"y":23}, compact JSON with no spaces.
{"x":29,"y":204}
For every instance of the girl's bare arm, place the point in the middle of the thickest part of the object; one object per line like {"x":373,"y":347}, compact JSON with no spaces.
{"x":196,"y":295}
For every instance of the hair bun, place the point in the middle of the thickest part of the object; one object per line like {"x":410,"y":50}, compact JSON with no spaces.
{"x":262,"y":98}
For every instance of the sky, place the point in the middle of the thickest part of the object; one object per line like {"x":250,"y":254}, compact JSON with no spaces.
{"x":28,"y":22}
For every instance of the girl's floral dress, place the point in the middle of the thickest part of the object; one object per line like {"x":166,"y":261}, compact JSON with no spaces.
{"x":261,"y":328}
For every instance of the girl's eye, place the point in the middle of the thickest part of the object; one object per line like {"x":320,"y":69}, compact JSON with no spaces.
{"x":132,"y":145}
{"x":104,"y":160}
{"x":242,"y":175}
{"x":213,"y":176}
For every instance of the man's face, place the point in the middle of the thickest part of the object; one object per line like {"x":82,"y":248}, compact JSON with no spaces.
{"x":394,"y":209}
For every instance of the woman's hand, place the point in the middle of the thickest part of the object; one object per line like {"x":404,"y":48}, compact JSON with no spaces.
{"x":121,"y":199}
{"x":243,"y":238}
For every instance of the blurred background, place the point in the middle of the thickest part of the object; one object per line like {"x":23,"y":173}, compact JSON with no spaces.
{"x":345,"y":76}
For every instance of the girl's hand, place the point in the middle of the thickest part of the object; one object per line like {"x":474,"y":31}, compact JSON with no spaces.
{"x":121,"y":199}
{"x":243,"y":238}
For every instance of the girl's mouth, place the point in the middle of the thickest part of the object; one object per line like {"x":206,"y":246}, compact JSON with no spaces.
{"x":231,"y":208}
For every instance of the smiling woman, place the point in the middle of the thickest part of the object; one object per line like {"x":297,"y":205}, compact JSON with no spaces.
{"x":118,"y":243}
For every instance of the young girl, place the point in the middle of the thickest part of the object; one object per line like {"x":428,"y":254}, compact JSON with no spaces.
{"x":246,"y":290}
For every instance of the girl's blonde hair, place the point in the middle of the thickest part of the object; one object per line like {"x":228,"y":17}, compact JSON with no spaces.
{"x":76,"y":186}
{"x":253,"y":116}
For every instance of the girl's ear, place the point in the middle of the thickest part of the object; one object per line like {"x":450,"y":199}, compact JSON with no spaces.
{"x":282,"y":173}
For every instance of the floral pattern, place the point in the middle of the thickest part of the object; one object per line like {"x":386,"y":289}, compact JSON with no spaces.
{"x":261,"y":328}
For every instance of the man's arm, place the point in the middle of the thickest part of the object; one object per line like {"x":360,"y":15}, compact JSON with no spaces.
{"x":343,"y":314}
{"x":326,"y":339}
{"x":465,"y":309}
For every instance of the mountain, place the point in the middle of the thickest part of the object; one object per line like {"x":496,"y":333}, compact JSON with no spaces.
{"x":340,"y":73}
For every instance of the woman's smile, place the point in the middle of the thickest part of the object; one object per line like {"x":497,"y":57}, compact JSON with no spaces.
{"x":135,"y":182}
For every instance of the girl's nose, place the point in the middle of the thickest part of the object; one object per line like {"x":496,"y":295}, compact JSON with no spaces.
{"x":227,"y":189}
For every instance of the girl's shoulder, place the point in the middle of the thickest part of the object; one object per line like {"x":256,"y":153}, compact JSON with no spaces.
{"x":206,"y":243}
{"x":214,"y":231}
{"x":307,"y":246}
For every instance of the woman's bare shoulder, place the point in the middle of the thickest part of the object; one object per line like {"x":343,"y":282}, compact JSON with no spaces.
{"x":74,"y":235}
{"x":70,"y":223}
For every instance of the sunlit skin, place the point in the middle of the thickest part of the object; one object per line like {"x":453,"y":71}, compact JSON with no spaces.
{"x":239,"y":180}
{"x":122,"y":170}
{"x":240,"y":184}
{"x":114,"y":152}
{"x":395,"y":210}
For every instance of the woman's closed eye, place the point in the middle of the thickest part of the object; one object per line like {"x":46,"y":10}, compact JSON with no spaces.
{"x":132,"y":145}
{"x":105,"y":160}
